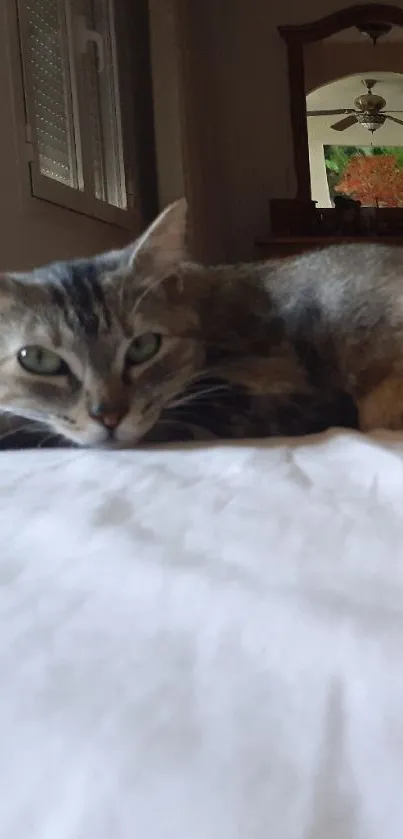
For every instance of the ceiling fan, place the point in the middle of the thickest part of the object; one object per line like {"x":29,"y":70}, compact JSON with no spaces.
{"x":368,"y":111}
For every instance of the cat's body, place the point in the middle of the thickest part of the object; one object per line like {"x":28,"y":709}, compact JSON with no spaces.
{"x":145,"y":345}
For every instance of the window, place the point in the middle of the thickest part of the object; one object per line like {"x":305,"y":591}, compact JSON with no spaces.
{"x":80,"y":137}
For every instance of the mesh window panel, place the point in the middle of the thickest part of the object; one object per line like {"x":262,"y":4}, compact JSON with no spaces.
{"x":45,"y":51}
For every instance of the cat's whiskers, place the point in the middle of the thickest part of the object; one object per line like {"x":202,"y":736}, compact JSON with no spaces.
{"x":51,"y":436}
{"x":200,"y":375}
{"x":173,"y":421}
{"x":198,"y":432}
{"x":26,"y":427}
{"x":190,"y":398}
{"x":190,"y":410}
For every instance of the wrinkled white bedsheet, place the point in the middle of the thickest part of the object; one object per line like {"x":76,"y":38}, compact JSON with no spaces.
{"x":203,"y":643}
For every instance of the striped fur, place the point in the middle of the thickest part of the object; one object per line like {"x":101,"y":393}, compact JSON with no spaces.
{"x":276,"y":348}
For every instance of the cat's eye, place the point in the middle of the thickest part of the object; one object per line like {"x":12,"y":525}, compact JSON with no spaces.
{"x":42,"y":362}
{"x":143,"y":348}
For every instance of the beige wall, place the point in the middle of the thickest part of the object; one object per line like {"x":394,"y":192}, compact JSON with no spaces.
{"x":325,"y":62}
{"x":238,"y":102}
{"x":32,"y":233}
{"x":165,"y":72}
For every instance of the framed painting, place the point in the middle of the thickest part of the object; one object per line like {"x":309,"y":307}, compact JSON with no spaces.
{"x":372,"y":175}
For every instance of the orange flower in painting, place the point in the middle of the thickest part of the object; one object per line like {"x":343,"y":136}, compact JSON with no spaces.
{"x":374,"y":179}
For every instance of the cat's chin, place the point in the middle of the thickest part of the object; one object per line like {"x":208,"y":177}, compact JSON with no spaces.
{"x":105,"y":443}
{"x":93,"y":435}
{"x":102,"y":440}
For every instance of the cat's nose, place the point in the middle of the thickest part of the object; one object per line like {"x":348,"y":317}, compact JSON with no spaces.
{"x":108,"y":415}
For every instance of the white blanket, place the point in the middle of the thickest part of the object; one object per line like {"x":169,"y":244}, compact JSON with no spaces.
{"x":203,"y":643}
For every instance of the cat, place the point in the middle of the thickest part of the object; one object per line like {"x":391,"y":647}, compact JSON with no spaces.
{"x":142,"y":345}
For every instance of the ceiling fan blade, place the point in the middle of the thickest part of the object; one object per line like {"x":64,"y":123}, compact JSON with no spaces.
{"x":344,"y":123}
{"x":330,"y":113}
{"x":391,"y":112}
{"x":399,"y":121}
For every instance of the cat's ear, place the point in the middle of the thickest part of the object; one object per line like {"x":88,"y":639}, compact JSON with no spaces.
{"x":164,"y":243}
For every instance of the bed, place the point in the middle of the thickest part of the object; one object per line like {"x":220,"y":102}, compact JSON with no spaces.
{"x":203,"y":642}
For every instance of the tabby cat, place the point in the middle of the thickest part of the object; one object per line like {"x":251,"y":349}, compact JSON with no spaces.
{"x":144,"y":345}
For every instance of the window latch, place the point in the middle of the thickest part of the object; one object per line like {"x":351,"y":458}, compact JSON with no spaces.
{"x":85,"y":36}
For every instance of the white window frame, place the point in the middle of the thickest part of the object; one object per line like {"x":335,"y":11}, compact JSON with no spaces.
{"x":44,"y":188}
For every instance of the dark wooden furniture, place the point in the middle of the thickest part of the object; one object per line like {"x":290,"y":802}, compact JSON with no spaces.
{"x":292,"y":218}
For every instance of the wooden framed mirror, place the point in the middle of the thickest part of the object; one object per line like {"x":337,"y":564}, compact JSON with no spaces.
{"x":297,"y":37}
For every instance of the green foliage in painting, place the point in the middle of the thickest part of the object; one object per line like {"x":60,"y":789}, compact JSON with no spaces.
{"x":373,"y":182}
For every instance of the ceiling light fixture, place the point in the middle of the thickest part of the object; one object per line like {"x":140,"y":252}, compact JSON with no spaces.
{"x":374,"y":30}
{"x":372,"y":121}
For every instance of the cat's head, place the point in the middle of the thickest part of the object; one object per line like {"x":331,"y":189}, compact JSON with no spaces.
{"x":97,"y":349}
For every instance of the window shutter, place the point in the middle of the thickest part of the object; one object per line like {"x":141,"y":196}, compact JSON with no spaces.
{"x":48,"y":88}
